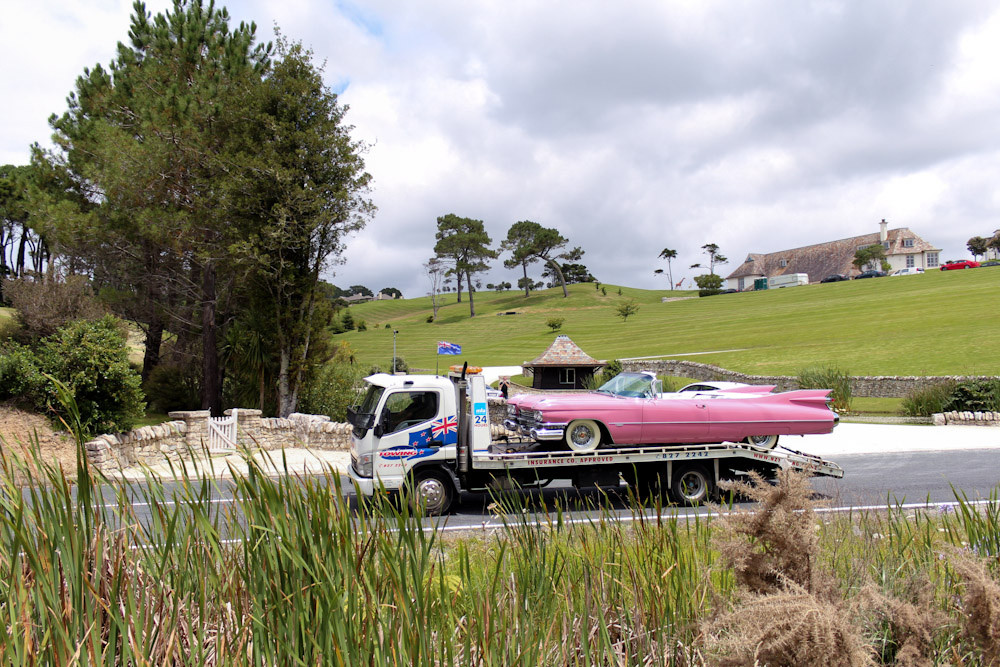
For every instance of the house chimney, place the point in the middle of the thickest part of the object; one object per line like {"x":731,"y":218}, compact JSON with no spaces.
{"x":883,"y":230}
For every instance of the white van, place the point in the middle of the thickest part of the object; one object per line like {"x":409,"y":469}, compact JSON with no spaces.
{"x":908,"y":271}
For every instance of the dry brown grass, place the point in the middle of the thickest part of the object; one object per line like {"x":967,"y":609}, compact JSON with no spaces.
{"x":980,"y":606}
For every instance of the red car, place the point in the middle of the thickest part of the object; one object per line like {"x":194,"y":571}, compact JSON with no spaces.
{"x":964,"y":264}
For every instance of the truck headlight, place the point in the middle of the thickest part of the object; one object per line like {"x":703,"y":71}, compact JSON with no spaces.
{"x":364,"y":466}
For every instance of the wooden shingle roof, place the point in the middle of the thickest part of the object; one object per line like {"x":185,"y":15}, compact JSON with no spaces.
{"x":564,"y":352}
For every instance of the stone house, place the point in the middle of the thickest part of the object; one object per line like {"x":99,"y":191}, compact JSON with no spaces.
{"x":903,"y":248}
{"x":563,"y":366}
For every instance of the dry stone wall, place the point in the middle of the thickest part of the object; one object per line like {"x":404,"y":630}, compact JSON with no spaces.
{"x":187,"y":435}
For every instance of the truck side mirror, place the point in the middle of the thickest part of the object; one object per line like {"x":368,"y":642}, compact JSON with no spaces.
{"x":378,"y":431}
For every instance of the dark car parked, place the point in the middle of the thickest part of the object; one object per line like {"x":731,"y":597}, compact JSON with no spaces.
{"x":870,"y":274}
{"x":834,"y":278}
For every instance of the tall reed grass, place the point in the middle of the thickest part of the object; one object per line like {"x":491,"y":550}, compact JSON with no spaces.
{"x":292,"y":574}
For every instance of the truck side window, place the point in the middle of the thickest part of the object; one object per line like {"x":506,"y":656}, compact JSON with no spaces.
{"x":409,"y":408}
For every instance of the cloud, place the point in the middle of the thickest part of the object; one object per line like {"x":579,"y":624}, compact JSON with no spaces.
{"x":630,"y":127}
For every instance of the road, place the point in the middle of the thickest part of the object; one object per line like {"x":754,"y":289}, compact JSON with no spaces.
{"x":882,"y":463}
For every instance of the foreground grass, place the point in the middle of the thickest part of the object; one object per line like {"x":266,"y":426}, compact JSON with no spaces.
{"x":291,"y":576}
{"x":933,"y":324}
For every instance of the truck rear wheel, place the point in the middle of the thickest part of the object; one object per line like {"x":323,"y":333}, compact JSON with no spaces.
{"x":583,"y":435}
{"x":691,"y":485}
{"x":432,"y":493}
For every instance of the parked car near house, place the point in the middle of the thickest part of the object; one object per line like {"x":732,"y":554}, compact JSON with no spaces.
{"x":835,"y":278}
{"x":962,"y":264}
{"x":630,"y":409}
{"x":990,"y":262}
{"x":870,"y":274}
{"x":908,"y":271}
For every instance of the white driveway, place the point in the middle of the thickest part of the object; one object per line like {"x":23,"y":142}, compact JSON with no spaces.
{"x":885,"y":438}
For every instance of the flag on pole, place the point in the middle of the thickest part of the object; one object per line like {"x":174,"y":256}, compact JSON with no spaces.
{"x":448,"y":348}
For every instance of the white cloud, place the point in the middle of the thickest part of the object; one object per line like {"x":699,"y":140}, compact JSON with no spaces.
{"x":630,"y":127}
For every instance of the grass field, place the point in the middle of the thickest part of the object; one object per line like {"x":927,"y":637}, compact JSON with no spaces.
{"x":939,"y":323}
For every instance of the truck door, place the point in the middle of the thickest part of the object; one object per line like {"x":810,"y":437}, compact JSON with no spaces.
{"x":410,"y":429}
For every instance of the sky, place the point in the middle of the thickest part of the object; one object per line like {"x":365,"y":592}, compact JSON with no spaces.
{"x":630,"y":126}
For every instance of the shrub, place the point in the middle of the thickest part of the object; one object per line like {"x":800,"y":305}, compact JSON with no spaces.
{"x":400,"y":365}
{"x":91,"y":359}
{"x":362,"y":326}
{"x":975,"y":396}
{"x":44,"y":307}
{"x":555,"y":323}
{"x":20,"y":378}
{"x":829,"y":378}
{"x":430,"y":319}
{"x":171,"y":387}
{"x":332,"y":389}
{"x":347,"y":321}
{"x":927,"y":400}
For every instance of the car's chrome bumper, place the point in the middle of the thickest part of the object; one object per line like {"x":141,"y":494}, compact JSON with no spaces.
{"x":539,"y":432}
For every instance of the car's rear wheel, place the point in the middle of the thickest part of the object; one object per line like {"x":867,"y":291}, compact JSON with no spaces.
{"x":763,"y":441}
{"x":431,"y":493}
{"x":691,"y":485}
{"x":583,"y":435}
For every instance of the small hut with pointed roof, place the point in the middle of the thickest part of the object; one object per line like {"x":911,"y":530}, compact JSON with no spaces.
{"x":563,"y":366}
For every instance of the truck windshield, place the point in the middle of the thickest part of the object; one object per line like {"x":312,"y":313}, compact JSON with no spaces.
{"x":362,"y":417}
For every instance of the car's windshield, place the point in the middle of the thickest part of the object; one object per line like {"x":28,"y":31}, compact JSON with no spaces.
{"x":629,"y":384}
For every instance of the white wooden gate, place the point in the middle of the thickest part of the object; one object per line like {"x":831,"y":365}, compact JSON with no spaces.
{"x":222,"y":434}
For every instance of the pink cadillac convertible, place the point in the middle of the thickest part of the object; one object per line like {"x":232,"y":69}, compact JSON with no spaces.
{"x":630,"y":409}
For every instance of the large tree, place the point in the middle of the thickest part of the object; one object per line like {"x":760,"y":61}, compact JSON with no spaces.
{"x":978,"y":246}
{"x":520,"y":244}
{"x":464,"y":243}
{"x":301,"y":188}
{"x":714,"y":257}
{"x":532,"y":241}
{"x":147,"y":140}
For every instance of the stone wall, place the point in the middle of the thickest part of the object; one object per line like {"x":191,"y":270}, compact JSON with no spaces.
{"x":187,"y":434}
{"x":967,"y":418}
{"x":879,"y":386}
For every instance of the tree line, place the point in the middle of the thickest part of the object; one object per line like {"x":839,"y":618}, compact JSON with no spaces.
{"x":201,"y":182}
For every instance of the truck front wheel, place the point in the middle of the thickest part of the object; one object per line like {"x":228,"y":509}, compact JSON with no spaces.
{"x":432,"y":493}
{"x":691,"y":485}
{"x":583,"y":435}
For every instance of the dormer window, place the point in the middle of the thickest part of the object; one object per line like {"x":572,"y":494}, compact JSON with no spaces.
{"x":907,"y":243}
{"x":749,"y":258}
{"x":783,"y":263}
{"x":885,"y":244}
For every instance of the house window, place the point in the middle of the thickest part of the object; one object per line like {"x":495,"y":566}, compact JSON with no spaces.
{"x":907,"y":243}
{"x":885,"y":244}
{"x":932,"y":260}
{"x":910,"y":261}
{"x":740,"y":284}
{"x":567,"y":376}
{"x":783,"y":263}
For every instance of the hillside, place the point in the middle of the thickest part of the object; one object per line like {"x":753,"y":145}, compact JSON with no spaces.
{"x":939,"y":323}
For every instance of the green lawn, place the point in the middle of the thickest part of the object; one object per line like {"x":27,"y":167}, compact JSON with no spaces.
{"x":938,"y":323}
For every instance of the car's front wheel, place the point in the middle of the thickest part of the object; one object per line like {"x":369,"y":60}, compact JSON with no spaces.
{"x":763,"y":441}
{"x":583,"y":435}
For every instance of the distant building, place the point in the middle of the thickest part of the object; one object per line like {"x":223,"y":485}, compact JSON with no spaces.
{"x":903,"y":249}
{"x":563,"y":366}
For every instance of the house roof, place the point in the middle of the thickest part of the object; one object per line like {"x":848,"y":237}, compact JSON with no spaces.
{"x":564,"y":352}
{"x":823,"y":259}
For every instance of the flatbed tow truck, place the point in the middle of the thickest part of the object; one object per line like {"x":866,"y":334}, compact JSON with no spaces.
{"x":414,"y":434}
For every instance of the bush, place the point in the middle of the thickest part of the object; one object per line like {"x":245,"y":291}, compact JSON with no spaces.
{"x":829,"y":378}
{"x":975,"y":396}
{"x":44,"y":307}
{"x":91,"y":359}
{"x":401,"y":365}
{"x":171,"y":387}
{"x":927,"y":400}
{"x":362,"y":326}
{"x":20,"y":377}
{"x":332,"y":389}
{"x":555,"y":323}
